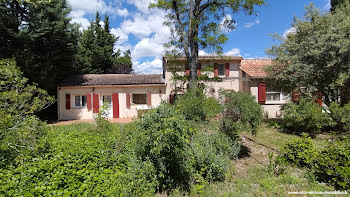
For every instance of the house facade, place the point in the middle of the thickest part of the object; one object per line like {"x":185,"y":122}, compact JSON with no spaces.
{"x":123,"y":95}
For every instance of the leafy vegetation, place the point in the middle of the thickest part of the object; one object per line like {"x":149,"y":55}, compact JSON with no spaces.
{"x":316,"y":55}
{"x":20,"y":128}
{"x":241,"y":113}
{"x":197,"y":24}
{"x":304,"y":117}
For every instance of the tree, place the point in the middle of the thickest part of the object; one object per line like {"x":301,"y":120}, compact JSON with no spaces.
{"x":196,"y":24}
{"x":52,"y":44}
{"x":337,"y":3}
{"x":95,"y":50}
{"x":19,"y":101}
{"x":316,"y":56}
{"x":13,"y":14}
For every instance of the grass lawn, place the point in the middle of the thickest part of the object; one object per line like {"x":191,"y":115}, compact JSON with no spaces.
{"x":271,"y":137}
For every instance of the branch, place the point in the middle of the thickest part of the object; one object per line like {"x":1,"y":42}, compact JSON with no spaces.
{"x":211,"y":4}
{"x":181,"y":28}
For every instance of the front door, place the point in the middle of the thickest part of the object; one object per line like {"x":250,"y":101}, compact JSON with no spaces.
{"x":107,"y":106}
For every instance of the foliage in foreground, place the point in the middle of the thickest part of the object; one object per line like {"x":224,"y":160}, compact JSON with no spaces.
{"x":304,"y":117}
{"x":331,"y":165}
{"x":307,"y":117}
{"x":20,"y":129}
{"x":241,"y":113}
{"x":196,"y":106}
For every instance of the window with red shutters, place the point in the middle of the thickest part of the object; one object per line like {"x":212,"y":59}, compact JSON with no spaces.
{"x":96,"y":103}
{"x":216,"y":71}
{"x":88,"y":101}
{"x":227,"y":69}
{"x":67,"y":101}
{"x":261,"y":93}
{"x":115,"y":102}
{"x":149,"y":99}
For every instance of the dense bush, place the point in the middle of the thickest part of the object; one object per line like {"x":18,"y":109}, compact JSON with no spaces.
{"x":212,"y":154}
{"x":333,"y":164}
{"x":164,"y":137}
{"x":79,"y":161}
{"x":21,"y":131}
{"x":241,"y":112}
{"x":304,"y":117}
{"x":340,"y":117}
{"x":299,"y":152}
{"x":196,"y":106}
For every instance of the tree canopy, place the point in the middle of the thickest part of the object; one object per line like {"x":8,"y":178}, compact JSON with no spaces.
{"x":317,"y":56}
{"x":197,"y":24}
{"x":96,"y":52}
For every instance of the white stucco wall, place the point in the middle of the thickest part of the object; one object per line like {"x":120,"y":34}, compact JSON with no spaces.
{"x":157,"y":95}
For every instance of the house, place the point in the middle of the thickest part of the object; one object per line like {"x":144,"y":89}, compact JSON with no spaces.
{"x":81,"y":97}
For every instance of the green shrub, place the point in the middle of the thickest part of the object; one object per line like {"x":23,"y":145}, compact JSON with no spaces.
{"x":164,"y":137}
{"x":304,"y":117}
{"x":196,"y":106}
{"x":333,"y":164}
{"x":340,"y":117}
{"x":78,"y":163}
{"x":212,"y":154}
{"x":299,"y":152}
{"x":241,"y":112}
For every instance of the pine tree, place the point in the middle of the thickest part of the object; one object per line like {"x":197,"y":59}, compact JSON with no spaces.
{"x":49,"y":54}
{"x":96,"y":48}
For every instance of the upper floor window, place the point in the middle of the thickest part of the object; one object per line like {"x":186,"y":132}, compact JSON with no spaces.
{"x":221,"y":69}
{"x":79,"y":101}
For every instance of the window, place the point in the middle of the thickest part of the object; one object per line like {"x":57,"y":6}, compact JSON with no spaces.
{"x":221,"y":69}
{"x":107,"y":100}
{"x":276,"y":95}
{"x":139,"y":98}
{"x":80,"y":101}
{"x":243,"y":74}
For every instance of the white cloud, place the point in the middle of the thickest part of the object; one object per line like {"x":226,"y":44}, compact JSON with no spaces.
{"x":78,"y":17}
{"x":117,"y":32}
{"x":90,"y":6}
{"x":233,"y":52}
{"x":148,"y":67}
{"x":291,"y":30}
{"x":251,"y":24}
{"x":141,"y":5}
{"x":202,"y":53}
{"x":148,"y":47}
{"x":122,"y":12}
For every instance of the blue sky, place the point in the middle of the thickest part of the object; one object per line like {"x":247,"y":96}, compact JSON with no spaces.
{"x":141,"y":30}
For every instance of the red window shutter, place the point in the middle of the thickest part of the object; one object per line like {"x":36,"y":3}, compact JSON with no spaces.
{"x":96,"y":103}
{"x":261,"y":93}
{"x":128,"y":100}
{"x":67,"y":101}
{"x":171,"y":98}
{"x":199,"y":69}
{"x":227,"y":70}
{"x":187,"y":71}
{"x":295,"y":95}
{"x":319,"y":98}
{"x":88,"y":101}
{"x":115,"y":103}
{"x":216,"y":71}
{"x":149,"y":99}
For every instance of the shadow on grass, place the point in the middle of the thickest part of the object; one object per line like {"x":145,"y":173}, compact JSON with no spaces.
{"x":244,"y":152}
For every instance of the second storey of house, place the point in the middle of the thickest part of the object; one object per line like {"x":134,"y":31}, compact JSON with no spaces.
{"x":216,"y":72}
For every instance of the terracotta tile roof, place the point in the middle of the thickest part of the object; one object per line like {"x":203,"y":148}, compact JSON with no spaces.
{"x":255,"y":67}
{"x":205,"y":57}
{"x":112,"y":79}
